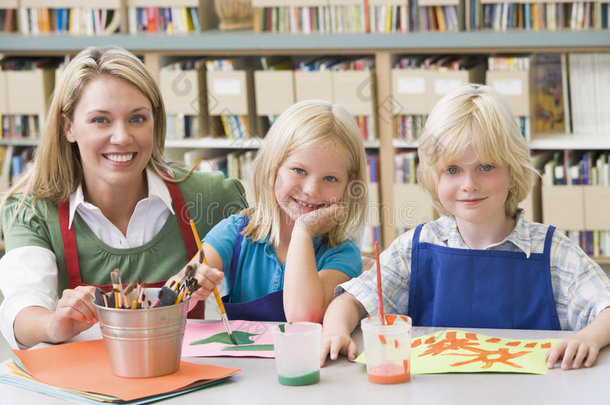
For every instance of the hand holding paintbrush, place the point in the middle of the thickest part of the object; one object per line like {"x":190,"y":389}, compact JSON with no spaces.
{"x":223,"y":313}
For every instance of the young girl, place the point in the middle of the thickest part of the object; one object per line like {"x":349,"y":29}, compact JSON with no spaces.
{"x":482,"y":264}
{"x":284,"y":256}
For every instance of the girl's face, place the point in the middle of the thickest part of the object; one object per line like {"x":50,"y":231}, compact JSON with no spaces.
{"x":310,"y":178}
{"x":113,"y":126}
{"x":474,"y":192}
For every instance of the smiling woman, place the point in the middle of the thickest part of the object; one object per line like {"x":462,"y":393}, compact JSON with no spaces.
{"x":98,"y":197}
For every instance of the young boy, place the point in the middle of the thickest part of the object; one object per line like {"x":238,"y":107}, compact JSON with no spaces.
{"x":482,"y":264}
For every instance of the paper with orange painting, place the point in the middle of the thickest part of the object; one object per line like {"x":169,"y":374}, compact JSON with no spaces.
{"x":455,"y":351}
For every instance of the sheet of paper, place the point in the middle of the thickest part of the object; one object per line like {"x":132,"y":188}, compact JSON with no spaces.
{"x":455,"y":351}
{"x":210,"y":339}
{"x":84,"y":366}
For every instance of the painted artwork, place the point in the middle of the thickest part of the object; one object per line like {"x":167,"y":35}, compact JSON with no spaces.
{"x":455,"y":351}
{"x":210,"y":339}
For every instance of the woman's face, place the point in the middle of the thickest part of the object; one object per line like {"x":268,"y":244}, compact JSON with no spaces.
{"x":113,"y":125}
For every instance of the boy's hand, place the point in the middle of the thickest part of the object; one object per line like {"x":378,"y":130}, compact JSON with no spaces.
{"x":574,"y":350}
{"x":322,"y":220}
{"x":337,"y":344}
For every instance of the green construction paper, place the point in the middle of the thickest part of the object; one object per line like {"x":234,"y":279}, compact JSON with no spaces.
{"x":247,"y":348}
{"x":455,"y":351}
{"x":242,"y":338}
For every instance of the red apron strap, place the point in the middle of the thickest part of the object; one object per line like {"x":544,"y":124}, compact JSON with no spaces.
{"x":69,"y":240}
{"x":183,"y":217}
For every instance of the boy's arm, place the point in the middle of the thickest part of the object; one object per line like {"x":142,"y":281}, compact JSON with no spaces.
{"x":341,"y":318}
{"x":584,"y":345}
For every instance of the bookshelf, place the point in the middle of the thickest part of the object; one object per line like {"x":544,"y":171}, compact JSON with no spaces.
{"x":156,"y":48}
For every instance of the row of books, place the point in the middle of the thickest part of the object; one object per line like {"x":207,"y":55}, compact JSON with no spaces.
{"x":14,"y":161}
{"x":542,"y":16}
{"x":163,"y":19}
{"x":577,"y":168}
{"x":76,"y":20}
{"x":371,"y":16}
{"x":20,"y":126}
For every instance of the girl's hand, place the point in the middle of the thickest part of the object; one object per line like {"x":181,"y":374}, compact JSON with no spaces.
{"x":74,"y":313}
{"x":333,"y":345}
{"x":574,"y":350}
{"x":322,"y":220}
{"x":208,"y":277}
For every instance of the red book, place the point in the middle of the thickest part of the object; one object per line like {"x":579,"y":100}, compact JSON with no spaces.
{"x":151,"y":19}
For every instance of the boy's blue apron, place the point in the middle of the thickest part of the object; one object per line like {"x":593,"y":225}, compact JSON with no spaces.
{"x":269,"y":307}
{"x":453,"y":287}
{"x":70,"y":252}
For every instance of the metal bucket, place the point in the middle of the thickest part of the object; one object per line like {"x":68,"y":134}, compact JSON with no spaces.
{"x":143,"y":342}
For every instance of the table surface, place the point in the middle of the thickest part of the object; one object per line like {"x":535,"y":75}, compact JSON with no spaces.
{"x":345,"y":383}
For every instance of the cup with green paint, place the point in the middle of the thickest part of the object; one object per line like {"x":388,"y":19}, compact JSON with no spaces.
{"x":297,"y":352}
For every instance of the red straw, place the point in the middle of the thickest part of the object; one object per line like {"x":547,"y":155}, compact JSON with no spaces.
{"x":379,"y":290}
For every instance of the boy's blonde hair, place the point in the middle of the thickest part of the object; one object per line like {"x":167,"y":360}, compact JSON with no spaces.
{"x":57,"y":170}
{"x":475,"y":115}
{"x":302,"y":125}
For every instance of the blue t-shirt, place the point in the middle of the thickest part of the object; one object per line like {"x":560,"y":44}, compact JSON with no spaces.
{"x":259,"y":271}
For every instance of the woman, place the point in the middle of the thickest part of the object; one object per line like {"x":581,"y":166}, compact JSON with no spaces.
{"x":98,"y":197}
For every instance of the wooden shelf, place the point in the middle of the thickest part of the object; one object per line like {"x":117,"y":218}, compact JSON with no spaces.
{"x":216,"y":42}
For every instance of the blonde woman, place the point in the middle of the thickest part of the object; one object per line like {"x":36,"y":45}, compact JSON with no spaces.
{"x":283,"y":257}
{"x":482,"y":264}
{"x":98,"y":197}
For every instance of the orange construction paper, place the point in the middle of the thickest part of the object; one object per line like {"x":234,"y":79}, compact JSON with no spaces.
{"x":85,"y":366}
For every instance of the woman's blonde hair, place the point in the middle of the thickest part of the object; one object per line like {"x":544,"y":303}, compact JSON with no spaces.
{"x":302,"y":125}
{"x":475,"y":115}
{"x":56,"y":170}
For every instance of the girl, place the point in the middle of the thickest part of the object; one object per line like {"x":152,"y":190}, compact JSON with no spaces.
{"x":99,"y":196}
{"x":284,"y":256}
{"x":482,"y":264}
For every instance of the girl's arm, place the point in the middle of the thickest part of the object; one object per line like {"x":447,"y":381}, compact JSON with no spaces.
{"x":584,"y":345}
{"x":308,"y":292}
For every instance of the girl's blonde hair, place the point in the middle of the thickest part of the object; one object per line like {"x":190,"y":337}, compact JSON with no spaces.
{"x":302,"y":125}
{"x":475,"y":115}
{"x":57,"y":171}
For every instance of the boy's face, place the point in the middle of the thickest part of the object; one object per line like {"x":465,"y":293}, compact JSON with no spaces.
{"x":474,"y":192}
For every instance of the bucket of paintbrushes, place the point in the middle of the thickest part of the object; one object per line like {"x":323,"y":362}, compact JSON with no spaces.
{"x":145,"y":342}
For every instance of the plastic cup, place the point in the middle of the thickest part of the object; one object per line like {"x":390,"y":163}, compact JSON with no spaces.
{"x":143,"y":342}
{"x":387,"y":348}
{"x":297,"y":352}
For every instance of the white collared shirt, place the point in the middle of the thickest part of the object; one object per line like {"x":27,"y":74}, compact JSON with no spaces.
{"x":28,"y":274}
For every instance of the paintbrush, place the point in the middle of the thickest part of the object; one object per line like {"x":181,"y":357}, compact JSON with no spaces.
{"x":379,"y":289}
{"x":223,"y":313}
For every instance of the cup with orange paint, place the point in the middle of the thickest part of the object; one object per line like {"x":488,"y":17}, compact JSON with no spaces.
{"x":388,"y":348}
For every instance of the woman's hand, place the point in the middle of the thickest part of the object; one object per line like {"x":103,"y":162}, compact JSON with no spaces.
{"x":74,"y":313}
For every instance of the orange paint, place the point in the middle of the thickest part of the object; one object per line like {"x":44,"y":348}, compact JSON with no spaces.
{"x":472,"y":336}
{"x":416,"y":343}
{"x":512,"y":344}
{"x":546,"y":345}
{"x":430,"y":340}
{"x":382,"y":339}
{"x":493,"y":340}
{"x":531,"y":345}
{"x":390,"y":373}
{"x":396,"y":344}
